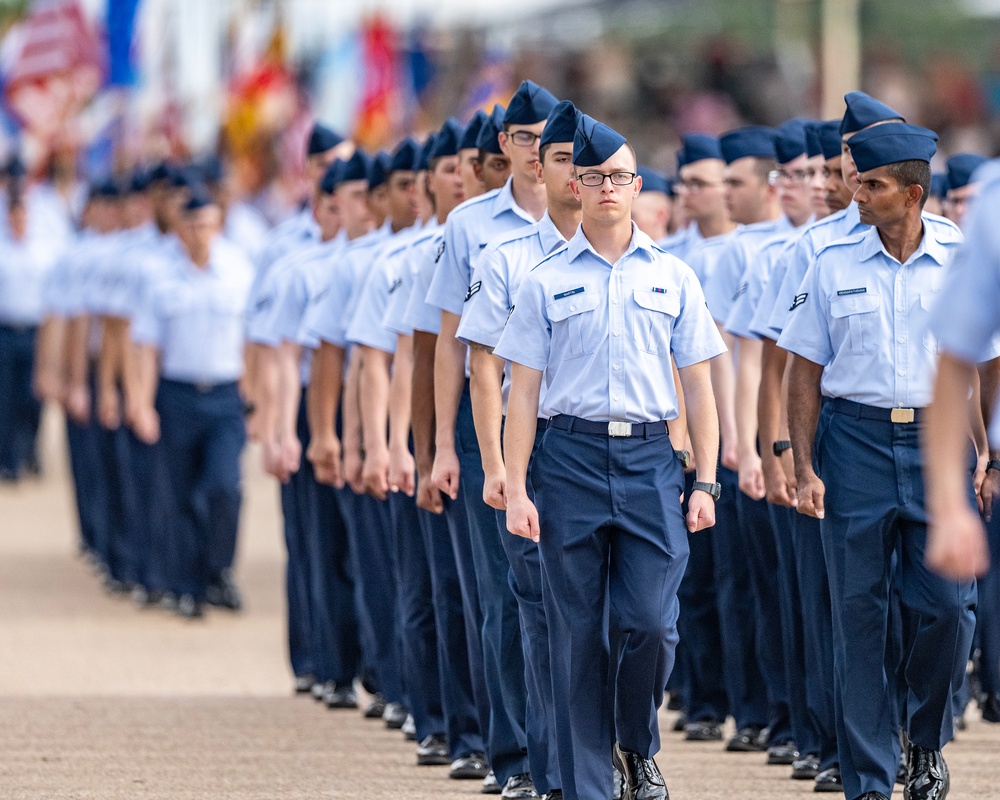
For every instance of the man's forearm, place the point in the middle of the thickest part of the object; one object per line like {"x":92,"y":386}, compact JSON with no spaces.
{"x":374,"y":387}
{"x":350,"y":403}
{"x":946,"y":435}
{"x":449,"y":380}
{"x":400,"y":392}
{"x":108,"y":359}
{"x":989,"y":388}
{"x":268,"y":382}
{"x":522,"y":423}
{"x":748,"y":378}
{"x":76,"y":351}
{"x":289,"y":389}
{"x":325,"y":384}
{"x":486,"y":385}
{"x":724,"y":386}
{"x":804,"y":401}
{"x":422,"y":401}
{"x":146,"y":358}
{"x":702,"y":419}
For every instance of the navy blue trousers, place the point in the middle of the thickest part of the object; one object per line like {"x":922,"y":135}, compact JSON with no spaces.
{"x":874,"y":505}
{"x":20,"y":410}
{"x":120,"y":507}
{"x":989,"y":613}
{"x":461,"y":716}
{"x":503,"y":654}
{"x":152,"y":519}
{"x":700,"y":646}
{"x":614,"y":548}
{"x":734,"y":591}
{"x":299,"y":623}
{"x":84,"y":464}
{"x":203,"y":434}
{"x":817,"y":636}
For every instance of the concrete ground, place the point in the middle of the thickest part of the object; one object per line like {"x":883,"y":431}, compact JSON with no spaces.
{"x":101,"y":700}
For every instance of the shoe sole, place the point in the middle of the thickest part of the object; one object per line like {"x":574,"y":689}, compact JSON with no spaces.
{"x":804,"y":774}
{"x":781,"y":761}
{"x":829,"y":787}
{"x":744,"y":748}
{"x":468,"y":775}
{"x":702,"y":737}
{"x":433,"y":761}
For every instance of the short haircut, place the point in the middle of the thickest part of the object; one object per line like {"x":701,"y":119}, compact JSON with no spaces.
{"x":545,"y":149}
{"x":909,"y":173}
{"x":762,"y":166}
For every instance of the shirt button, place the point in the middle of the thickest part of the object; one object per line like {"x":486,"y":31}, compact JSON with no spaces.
{"x":572,"y":308}
{"x":618,"y":333}
{"x":618,"y":397}
{"x":902,"y":373}
{"x":618,"y":366}
{"x":616,"y":302}
{"x":901,"y":340}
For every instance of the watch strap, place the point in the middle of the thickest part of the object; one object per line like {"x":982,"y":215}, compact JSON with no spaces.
{"x":993,"y":465}
{"x":781,"y":446}
{"x":714,"y":489}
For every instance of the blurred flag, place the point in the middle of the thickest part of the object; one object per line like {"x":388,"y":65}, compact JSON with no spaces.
{"x":491,"y":84}
{"x":121,"y":31}
{"x":381,"y":111}
{"x":338,"y":82}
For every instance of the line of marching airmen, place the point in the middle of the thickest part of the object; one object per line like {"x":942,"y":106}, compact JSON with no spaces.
{"x":555,"y":434}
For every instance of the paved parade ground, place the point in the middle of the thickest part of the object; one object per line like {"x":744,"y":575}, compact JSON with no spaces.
{"x":101,"y":700}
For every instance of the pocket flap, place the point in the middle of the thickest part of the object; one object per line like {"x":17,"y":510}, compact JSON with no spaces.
{"x":571,"y":303}
{"x":658,"y":301}
{"x":855,"y":304}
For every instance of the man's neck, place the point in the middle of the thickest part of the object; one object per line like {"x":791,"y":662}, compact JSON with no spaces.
{"x":901,"y":239}
{"x":798,"y":221}
{"x":396,"y":227}
{"x":200,"y":260}
{"x":566,"y":220}
{"x":768,"y":212}
{"x":610,"y":242}
{"x":529,"y":195}
{"x":717,"y":225}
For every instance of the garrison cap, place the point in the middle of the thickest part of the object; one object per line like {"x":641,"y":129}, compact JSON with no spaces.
{"x":448,"y":139}
{"x":891,"y":143}
{"x":960,"y":168}
{"x":823,"y":139}
{"x":378,"y":169}
{"x":139,"y":181}
{"x":652,"y":181}
{"x":864,"y":110}
{"x":790,"y":143}
{"x":489,"y":132}
{"x":404,"y":157}
{"x":107,"y":189}
{"x":199,"y":199}
{"x":530,"y":104}
{"x":340,"y":171}
{"x":698,"y":147}
{"x":212,"y":169}
{"x":753,"y":141}
{"x":594,"y":142}
{"x":471,"y":132}
{"x":561,"y":124}
{"x":321,"y":139}
{"x":939,"y":184}
{"x":424,"y":153}
{"x":15,"y":167}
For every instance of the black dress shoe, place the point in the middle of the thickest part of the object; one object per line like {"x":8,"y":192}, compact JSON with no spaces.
{"x":829,"y":781}
{"x":782,"y":753}
{"x":490,"y":784}
{"x":304,"y":684}
{"x":340,"y":697}
{"x":873,"y":796}
{"x":680,"y":724}
{"x":927,"y":777}
{"x":318,"y":689}
{"x":643,"y":780}
{"x":189,"y":608}
{"x":675,"y":703}
{"x":222,"y":593}
{"x":376,"y":708}
{"x":805,"y":768}
{"x":706,"y":731}
{"x":433,"y":751}
{"x":991,"y":708}
{"x":519,"y":787}
{"x":394,"y":716}
{"x":747,"y":740}
{"x":409,"y":729}
{"x":471,"y":767}
{"x":555,"y":794}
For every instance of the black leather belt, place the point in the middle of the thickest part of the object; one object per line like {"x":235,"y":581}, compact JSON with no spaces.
{"x":901,"y":416}
{"x":630,"y":430}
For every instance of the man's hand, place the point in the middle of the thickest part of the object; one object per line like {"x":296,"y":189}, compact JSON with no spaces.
{"x":956,"y":545}
{"x":353,"y":469}
{"x":428,"y":495}
{"x":701,"y":511}
{"x":751,"y":476}
{"x":989,"y":493}
{"x":78,"y":404}
{"x":324,"y":455}
{"x":109,"y":410}
{"x":730,"y":456}
{"x":291,"y":454}
{"x":495,"y":490}
{"x":375,"y":472}
{"x":147,"y":425}
{"x":522,"y":517}
{"x":402,"y":471}
{"x":779,"y":491}
{"x":274,"y":464}
{"x":811,"y":493}
{"x":446,"y":472}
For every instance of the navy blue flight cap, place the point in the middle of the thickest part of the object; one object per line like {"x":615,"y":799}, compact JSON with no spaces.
{"x":489,"y":133}
{"x":15,"y":167}
{"x":212,"y":169}
{"x":107,"y":189}
{"x":652,"y":181}
{"x":594,"y":142}
{"x":823,"y":139}
{"x":790,"y":143}
{"x":531,"y":103}
{"x":328,"y":182}
{"x":753,"y":141}
{"x":199,"y":199}
{"x":864,"y":110}
{"x":321,"y":139}
{"x":698,"y":147}
{"x":378,"y":169}
{"x":184,"y":177}
{"x":162,"y":172}
{"x":471,"y":133}
{"x":939,"y":184}
{"x":448,"y":139}
{"x":139,"y":181}
{"x":671,"y":186}
{"x":561,"y":124}
{"x":404,"y":157}
{"x":891,"y":143}
{"x":960,"y":168}
{"x":424,"y":154}
{"x":355,"y":168}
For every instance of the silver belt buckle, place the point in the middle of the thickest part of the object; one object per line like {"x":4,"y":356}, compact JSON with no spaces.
{"x":903,"y":415}
{"x":619,"y":429}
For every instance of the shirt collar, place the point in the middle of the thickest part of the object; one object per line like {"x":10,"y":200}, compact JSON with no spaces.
{"x":549,"y":234}
{"x":580,"y":244}
{"x":871,"y":245}
{"x":504,"y":201}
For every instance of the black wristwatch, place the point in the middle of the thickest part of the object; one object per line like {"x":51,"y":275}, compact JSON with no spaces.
{"x":714,"y":489}
{"x":993,"y":465}
{"x":684,"y":457}
{"x":781,"y":446}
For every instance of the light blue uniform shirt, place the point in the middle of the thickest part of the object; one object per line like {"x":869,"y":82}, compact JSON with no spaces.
{"x":724,"y":284}
{"x":704,"y":257}
{"x":682,"y":242}
{"x":754,"y":282}
{"x":24,"y":269}
{"x":792,"y":267}
{"x":603,"y":333}
{"x":422,"y":315}
{"x":966,"y":318}
{"x":293,"y":234}
{"x":498,"y":273}
{"x":247,"y":228}
{"x":114,"y":283}
{"x":422,"y":250}
{"x":469,"y":228}
{"x":865,"y":317}
{"x":195,"y":318}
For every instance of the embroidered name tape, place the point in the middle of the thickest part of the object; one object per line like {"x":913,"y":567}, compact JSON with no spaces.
{"x":846,"y":292}
{"x":570,"y":293}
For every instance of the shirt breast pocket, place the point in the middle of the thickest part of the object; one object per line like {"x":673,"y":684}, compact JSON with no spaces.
{"x":858,"y":314}
{"x":653,"y":319}
{"x":573,"y":323}
{"x":927,"y":300}
{"x":226,"y":304}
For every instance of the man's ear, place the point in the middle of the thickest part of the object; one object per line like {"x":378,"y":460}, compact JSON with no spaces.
{"x":914,"y":192}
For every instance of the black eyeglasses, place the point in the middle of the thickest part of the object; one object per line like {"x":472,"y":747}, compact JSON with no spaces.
{"x":595,"y":179}
{"x":524,"y":138}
